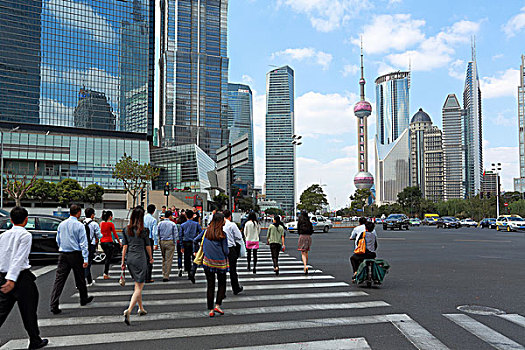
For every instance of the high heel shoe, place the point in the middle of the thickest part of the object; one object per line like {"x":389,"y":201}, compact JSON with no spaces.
{"x":142,"y":312}
{"x":306,"y":270}
{"x":126,"y":317}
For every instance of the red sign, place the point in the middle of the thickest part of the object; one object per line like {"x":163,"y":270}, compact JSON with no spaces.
{"x":506,"y":204}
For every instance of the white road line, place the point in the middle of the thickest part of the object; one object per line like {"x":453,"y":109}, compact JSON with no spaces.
{"x":134,"y":336}
{"x":54,"y":322}
{"x":495,"y":339}
{"x":239,"y":270}
{"x":416,"y":334}
{"x":514,"y":318}
{"x":230,"y":299}
{"x":203,"y":288}
{"x":43,"y":270}
{"x":243,"y":273}
{"x":343,"y":344}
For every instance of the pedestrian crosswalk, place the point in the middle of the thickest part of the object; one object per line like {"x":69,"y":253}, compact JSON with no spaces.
{"x":290,"y":311}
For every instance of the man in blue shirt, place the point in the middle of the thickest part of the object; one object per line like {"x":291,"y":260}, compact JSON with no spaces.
{"x":74,"y":255}
{"x":168,"y":235}
{"x":151,"y":224}
{"x":189,"y":230}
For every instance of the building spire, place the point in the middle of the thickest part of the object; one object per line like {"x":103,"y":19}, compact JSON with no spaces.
{"x":362,"y":81}
{"x":473,"y":47}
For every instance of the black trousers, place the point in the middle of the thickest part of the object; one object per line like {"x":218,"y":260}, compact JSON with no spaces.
{"x":275,"y":248}
{"x":149,"y":273}
{"x":221,"y":289}
{"x":109,"y":250}
{"x":188,"y":255}
{"x":357,"y":259}
{"x":179,"y":255}
{"x":249,"y":257}
{"x":87,"y":271}
{"x":66,"y":263}
{"x":233,"y":256}
{"x":25,"y":294}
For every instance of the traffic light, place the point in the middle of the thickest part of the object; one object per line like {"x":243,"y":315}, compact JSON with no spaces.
{"x":481,"y":195}
{"x":142,"y":197}
{"x":488,"y":195}
{"x":167,"y":189}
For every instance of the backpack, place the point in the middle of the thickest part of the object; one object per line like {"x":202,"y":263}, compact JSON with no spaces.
{"x":88,"y":235}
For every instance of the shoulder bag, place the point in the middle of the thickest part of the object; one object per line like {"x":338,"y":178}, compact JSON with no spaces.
{"x":199,"y":257}
{"x":361,"y":244}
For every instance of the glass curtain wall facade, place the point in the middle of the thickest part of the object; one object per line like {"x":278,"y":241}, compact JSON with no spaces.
{"x":280,"y":127}
{"x":519,"y":183}
{"x":240,"y":122}
{"x":194,"y":74}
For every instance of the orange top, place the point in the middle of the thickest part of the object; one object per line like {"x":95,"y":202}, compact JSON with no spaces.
{"x":108,"y":230}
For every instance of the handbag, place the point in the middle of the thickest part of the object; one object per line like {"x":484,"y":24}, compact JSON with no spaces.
{"x":199,"y":257}
{"x":361,"y":244}
{"x":243,"y":250}
{"x":122,"y":280}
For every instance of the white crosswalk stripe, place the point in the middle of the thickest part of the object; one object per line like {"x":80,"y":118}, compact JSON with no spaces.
{"x":339,"y":344}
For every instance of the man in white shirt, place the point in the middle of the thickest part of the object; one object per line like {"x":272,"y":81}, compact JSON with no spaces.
{"x":17,"y":282}
{"x":234,"y":236}
{"x":93,"y":234}
{"x":358,"y":230}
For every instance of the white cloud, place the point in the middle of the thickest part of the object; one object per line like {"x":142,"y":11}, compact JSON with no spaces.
{"x":508,"y":157}
{"x":350,"y":69}
{"x":515,"y":24}
{"x":456,"y":69}
{"x":327,"y":15}
{"x":384,"y":68}
{"x":246,"y":79}
{"x":504,"y":121}
{"x":305,"y":54}
{"x":505,"y":84}
{"x":55,"y":113}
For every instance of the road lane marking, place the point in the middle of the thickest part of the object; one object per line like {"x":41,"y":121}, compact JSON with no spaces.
{"x":53,"y":322}
{"x":416,"y":334}
{"x":490,"y":336}
{"x":298,"y":267}
{"x":43,"y":270}
{"x":481,"y":241}
{"x":514,"y":318}
{"x":347,"y":344}
{"x":246,"y":273}
{"x":391,"y":239}
{"x":135,"y":336}
{"x":232,"y":299}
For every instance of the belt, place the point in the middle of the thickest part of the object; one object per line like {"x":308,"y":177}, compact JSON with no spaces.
{"x":73,"y":252}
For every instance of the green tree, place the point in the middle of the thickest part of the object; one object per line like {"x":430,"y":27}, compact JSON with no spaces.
{"x":43,"y":190}
{"x":312,"y":199}
{"x":69,"y":191}
{"x":220,"y":201}
{"x":410,"y":200}
{"x":246,"y":204}
{"x":134,"y":176}
{"x":359,"y":200}
{"x":274,"y":211}
{"x":93,"y":194}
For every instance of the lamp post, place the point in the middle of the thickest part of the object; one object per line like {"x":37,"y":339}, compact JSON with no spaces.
{"x":496,"y":168}
{"x":295,"y":142}
{"x":2,"y":165}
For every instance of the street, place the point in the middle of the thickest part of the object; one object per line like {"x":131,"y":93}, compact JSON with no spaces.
{"x":433,"y":272}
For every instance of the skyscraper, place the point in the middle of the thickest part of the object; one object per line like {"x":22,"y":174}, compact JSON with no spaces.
{"x":519,"y":183}
{"x":280,"y":152}
{"x":473,"y":132}
{"x":93,"y":111}
{"x":392,"y":136}
{"x":240,"y":122}
{"x":194,"y":74}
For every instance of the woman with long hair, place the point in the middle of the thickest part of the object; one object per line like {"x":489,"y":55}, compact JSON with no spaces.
{"x":136,"y":252}
{"x":275,"y":238}
{"x":305,"y":230}
{"x":180,"y":220}
{"x":109,"y":237}
{"x":215,"y":261}
{"x":252,"y":230}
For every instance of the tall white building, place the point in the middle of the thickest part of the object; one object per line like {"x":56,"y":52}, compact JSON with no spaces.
{"x":519,"y":183}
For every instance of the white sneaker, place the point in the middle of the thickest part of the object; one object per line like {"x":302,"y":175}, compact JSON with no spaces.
{"x":90,"y":284}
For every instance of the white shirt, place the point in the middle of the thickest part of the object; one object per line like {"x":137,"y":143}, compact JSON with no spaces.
{"x":15,"y":246}
{"x":233,"y":233}
{"x":252,"y":231}
{"x":357,"y":231}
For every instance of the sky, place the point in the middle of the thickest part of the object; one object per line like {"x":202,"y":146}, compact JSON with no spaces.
{"x":319,"y":39}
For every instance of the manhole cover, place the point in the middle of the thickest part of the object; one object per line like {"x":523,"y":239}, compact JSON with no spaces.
{"x":480,"y":310}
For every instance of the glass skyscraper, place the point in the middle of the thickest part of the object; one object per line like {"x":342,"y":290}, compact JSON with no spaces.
{"x":240,"y":122}
{"x":519,"y":183}
{"x":194,"y":74}
{"x":280,"y":152}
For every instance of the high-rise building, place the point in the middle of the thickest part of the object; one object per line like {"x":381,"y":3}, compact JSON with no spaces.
{"x":490,"y":183}
{"x":93,"y":111}
{"x":519,"y":183}
{"x":426,"y":156}
{"x":453,"y":148}
{"x":392,"y":136}
{"x":240,"y":123}
{"x":280,"y":128}
{"x":194,"y":74}
{"x":473,"y":132}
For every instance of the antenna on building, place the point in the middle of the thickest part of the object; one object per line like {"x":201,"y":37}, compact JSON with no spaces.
{"x":362,"y":64}
{"x":409,"y":69}
{"x":473,"y":47}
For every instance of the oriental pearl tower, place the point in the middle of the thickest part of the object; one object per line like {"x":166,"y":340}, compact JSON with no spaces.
{"x":363,"y":179}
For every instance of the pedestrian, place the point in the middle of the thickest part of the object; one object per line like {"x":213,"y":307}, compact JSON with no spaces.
{"x":74,"y":255}
{"x":93,"y":235}
{"x":252,"y":230}
{"x":136,"y":252}
{"x":275,"y":238}
{"x":215,"y":261}
{"x":235,"y":240}
{"x":358,"y":230}
{"x":305,"y":230}
{"x":370,"y":238}
{"x":168,"y":235}
{"x":17,"y":282}
{"x":182,"y":219}
{"x":189,"y":230}
{"x":151,"y":224}
{"x":108,"y":240}
{"x":163,"y":212}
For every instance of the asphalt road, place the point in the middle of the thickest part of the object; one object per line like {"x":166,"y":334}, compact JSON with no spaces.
{"x":433,"y":271}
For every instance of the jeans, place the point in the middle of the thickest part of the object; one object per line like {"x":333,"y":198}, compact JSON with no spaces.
{"x":167,"y":248}
{"x":275,"y":248}
{"x":221,"y":289}
{"x":108,"y":249}
{"x":357,"y":259}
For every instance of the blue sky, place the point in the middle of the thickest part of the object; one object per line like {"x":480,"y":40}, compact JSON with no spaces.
{"x":319,"y":40}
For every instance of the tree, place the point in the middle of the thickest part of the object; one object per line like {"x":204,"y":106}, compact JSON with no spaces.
{"x":134,"y":175}
{"x":312,"y":199}
{"x":410,"y":199}
{"x":43,"y":190}
{"x":93,"y":194}
{"x":220,"y":201}
{"x":359,"y":199}
{"x":69,"y":191}
{"x":17,"y":187}
{"x":246,"y":204}
{"x":274,"y":211}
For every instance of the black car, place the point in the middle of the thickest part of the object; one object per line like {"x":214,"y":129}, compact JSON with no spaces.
{"x":429,"y":221}
{"x":394,"y":221}
{"x":448,"y":222}
{"x":488,"y":223}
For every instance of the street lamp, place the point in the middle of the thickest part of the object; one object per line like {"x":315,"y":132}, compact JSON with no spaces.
{"x":295,"y":142}
{"x":496,"y":168}
{"x":2,"y":165}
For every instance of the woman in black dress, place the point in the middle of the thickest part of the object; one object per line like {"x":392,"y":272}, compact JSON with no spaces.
{"x":136,"y":251}
{"x":305,"y":230}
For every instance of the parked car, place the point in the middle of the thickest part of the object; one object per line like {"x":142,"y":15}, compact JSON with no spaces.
{"x":510,"y":223}
{"x":415,"y":222}
{"x":319,"y":223}
{"x":468,"y":223}
{"x":448,"y":222}
{"x":394,"y":221}
{"x":430,"y":221}
{"x":488,"y":223}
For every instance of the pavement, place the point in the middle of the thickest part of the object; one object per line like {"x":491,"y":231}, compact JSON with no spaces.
{"x":446,"y":289}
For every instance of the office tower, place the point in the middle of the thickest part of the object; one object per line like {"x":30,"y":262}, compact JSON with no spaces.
{"x":194,"y":74}
{"x":489,"y":186}
{"x":519,"y":183}
{"x":362,"y":110}
{"x":240,"y":123}
{"x":426,"y":156}
{"x":280,"y":128}
{"x":473,"y":129}
{"x":93,"y":111}
{"x":453,"y":148}
{"x":392,"y":136}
